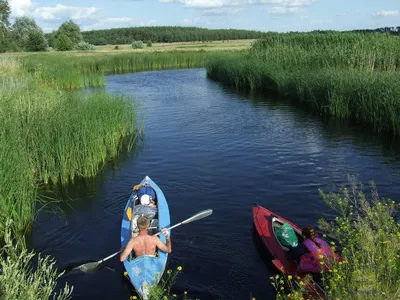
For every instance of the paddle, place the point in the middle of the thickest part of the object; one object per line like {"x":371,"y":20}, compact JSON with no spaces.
{"x":93,"y":265}
{"x":196,"y":217}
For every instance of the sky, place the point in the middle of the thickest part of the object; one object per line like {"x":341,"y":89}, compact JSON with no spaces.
{"x":261,"y":15}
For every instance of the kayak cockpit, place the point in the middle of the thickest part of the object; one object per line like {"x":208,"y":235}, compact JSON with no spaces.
{"x":277,"y":223}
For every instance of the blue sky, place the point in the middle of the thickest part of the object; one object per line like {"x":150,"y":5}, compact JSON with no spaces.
{"x":264,"y":15}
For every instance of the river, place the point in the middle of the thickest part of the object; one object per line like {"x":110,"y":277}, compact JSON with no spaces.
{"x":209,"y":147}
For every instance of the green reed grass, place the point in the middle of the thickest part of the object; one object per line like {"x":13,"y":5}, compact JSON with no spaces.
{"x":50,"y":135}
{"x":343,"y":75}
{"x":67,"y":71}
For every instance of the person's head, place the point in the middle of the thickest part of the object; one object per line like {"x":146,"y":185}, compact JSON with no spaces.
{"x":145,"y":200}
{"x":309,"y":233}
{"x":143,"y":223}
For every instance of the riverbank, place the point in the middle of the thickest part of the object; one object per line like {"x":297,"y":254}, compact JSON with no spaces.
{"x":342,"y":75}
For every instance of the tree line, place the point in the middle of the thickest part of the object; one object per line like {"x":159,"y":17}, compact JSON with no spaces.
{"x":166,"y":34}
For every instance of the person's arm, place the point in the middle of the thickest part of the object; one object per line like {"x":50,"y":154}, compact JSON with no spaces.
{"x":164,"y":247}
{"x":128,"y":249}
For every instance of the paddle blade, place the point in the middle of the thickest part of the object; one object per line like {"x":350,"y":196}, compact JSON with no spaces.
{"x":198,"y":216}
{"x":88,"y":267}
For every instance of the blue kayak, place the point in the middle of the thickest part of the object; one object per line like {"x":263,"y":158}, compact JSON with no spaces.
{"x":146,"y":270}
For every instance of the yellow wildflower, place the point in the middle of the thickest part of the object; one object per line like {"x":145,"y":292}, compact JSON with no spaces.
{"x":290,"y":277}
{"x":301,"y":283}
{"x":185,"y":292}
{"x":165,"y":298}
{"x":179,"y":268}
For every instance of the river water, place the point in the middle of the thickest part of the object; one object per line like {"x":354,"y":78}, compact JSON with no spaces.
{"x":209,"y":147}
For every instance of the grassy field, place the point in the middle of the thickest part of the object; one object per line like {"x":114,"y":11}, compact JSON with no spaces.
{"x":213,"y":46}
{"x":344,"y":75}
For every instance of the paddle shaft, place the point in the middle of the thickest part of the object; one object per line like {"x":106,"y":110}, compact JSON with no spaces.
{"x":176,"y":225}
{"x":196,"y":217}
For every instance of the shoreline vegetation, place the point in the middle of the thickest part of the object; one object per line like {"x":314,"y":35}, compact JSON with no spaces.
{"x":342,"y":75}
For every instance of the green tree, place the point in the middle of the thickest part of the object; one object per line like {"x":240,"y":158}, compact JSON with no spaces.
{"x":70,"y":30}
{"x":22,"y":29}
{"x":36,"y":41}
{"x":5,"y":12}
{"x":63,"y":43}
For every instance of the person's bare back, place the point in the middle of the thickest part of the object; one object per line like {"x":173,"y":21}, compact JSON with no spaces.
{"x":144,"y":243}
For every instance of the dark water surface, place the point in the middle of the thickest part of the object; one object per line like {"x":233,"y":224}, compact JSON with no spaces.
{"x":208,"y":147}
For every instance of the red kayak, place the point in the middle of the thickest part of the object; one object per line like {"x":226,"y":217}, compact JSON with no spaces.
{"x":265,"y":222}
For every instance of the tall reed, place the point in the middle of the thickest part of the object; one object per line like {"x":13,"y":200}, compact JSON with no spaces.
{"x":67,"y":71}
{"x":51,"y":136}
{"x":343,"y":75}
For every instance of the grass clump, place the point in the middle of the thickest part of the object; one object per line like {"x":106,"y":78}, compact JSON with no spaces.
{"x":50,"y":135}
{"x":84,"y":46}
{"x":343,"y":75}
{"x":367,"y":231}
{"x":18,"y":280}
{"x":137,"y":45}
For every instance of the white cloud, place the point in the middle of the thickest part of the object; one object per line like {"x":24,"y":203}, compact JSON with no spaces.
{"x":21,"y":8}
{"x":282,"y":10}
{"x":62,"y":12}
{"x":223,"y":10}
{"x":223,"y":3}
{"x":289,"y":3}
{"x":53,"y":13}
{"x":387,"y":13}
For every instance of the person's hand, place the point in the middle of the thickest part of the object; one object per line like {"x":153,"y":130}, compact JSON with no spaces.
{"x":165,"y":232}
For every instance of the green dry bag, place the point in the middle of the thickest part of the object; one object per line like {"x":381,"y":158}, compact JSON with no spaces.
{"x":286,"y":235}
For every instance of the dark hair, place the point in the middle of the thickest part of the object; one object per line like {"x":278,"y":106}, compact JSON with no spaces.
{"x":142,"y":223}
{"x":310,"y":233}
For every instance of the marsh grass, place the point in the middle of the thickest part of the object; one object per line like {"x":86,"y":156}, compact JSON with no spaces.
{"x":49,"y":135}
{"x":71,"y":72}
{"x":352,"y":76}
{"x":18,"y":280}
{"x":367,"y":232}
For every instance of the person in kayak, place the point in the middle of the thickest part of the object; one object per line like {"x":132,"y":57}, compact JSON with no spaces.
{"x":144,"y":243}
{"x":310,"y":253}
